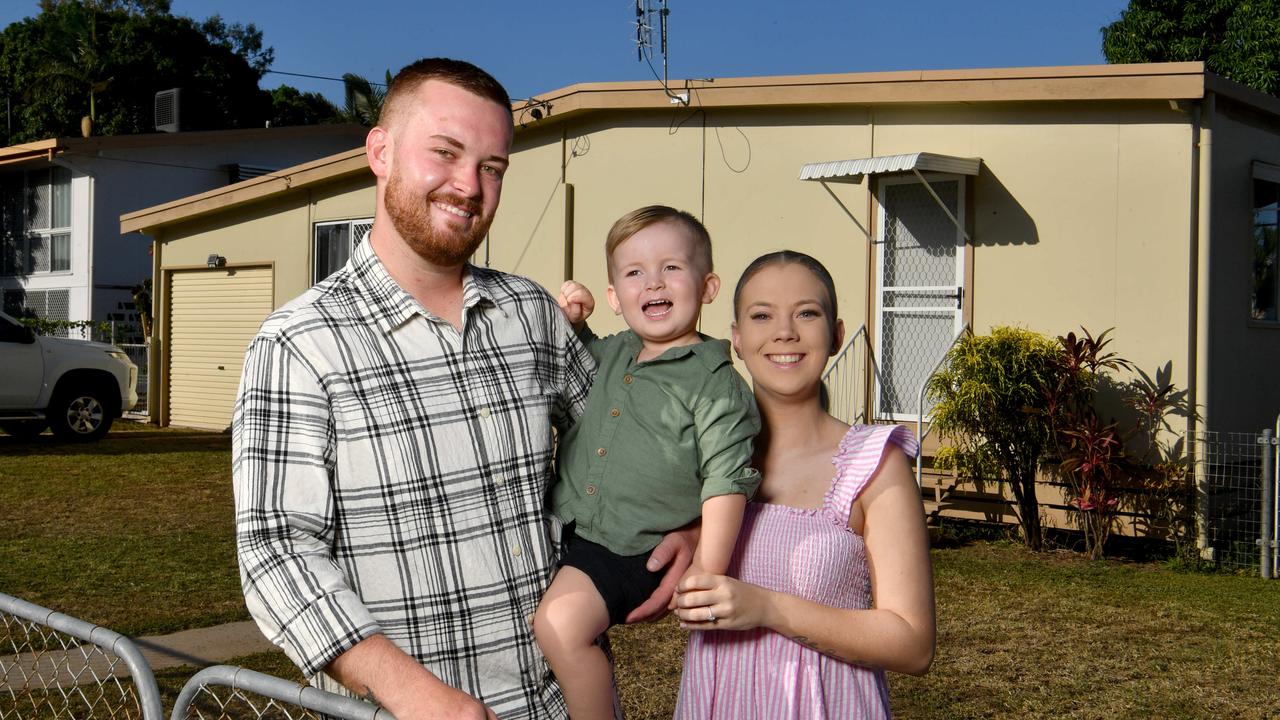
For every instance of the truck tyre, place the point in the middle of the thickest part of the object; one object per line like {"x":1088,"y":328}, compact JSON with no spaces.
{"x":25,"y":429}
{"x":80,"y":413}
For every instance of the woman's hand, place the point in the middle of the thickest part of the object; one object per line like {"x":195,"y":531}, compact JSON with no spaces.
{"x":718,"y":602}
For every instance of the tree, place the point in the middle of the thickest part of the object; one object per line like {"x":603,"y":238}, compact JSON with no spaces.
{"x":364,"y":99}
{"x":108,"y":58}
{"x":289,"y":106}
{"x":1238,"y":39}
{"x":990,"y":399}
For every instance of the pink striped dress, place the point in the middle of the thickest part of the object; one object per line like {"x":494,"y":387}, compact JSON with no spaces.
{"x":810,"y":553}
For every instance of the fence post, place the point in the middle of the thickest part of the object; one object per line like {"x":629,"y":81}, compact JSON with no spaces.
{"x":1267,"y":547}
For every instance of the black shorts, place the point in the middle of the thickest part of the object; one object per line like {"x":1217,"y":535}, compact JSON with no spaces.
{"x":622,"y":580}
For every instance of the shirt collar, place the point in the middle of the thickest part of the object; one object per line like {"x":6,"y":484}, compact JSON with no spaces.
{"x":390,"y":306}
{"x":711,"y":352}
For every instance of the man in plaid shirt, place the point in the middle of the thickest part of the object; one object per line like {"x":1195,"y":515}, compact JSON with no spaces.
{"x":392,"y":440}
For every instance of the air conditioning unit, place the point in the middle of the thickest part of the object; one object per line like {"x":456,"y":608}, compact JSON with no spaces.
{"x":168,"y":117}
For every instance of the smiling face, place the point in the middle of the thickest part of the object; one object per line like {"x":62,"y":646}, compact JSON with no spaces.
{"x":444,"y":153}
{"x":784,"y":331}
{"x":658,"y":285}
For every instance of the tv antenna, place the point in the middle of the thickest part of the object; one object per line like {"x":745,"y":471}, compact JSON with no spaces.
{"x":646,"y":13}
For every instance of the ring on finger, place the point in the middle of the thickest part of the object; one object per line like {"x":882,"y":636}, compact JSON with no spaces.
{"x":711,"y":615}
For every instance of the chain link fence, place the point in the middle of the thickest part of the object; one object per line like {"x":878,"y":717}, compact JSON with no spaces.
{"x":53,"y":666}
{"x":224,"y":692}
{"x":1236,"y":476}
{"x":56,"y":666}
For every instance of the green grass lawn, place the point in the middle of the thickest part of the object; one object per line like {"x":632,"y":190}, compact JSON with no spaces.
{"x":135,"y":533}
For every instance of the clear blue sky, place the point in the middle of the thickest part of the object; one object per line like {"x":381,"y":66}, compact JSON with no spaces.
{"x":534,"y":46}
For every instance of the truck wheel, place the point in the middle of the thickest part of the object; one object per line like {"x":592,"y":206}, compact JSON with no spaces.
{"x":79,"y":413}
{"x":25,"y":429}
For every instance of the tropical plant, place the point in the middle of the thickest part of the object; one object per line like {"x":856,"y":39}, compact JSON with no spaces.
{"x":1091,"y":454}
{"x":1113,"y":464}
{"x":364,"y":98}
{"x":990,"y":401}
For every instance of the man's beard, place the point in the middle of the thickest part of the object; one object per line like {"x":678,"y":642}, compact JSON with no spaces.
{"x":411,"y":216}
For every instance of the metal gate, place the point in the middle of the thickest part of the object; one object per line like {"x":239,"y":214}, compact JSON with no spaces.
{"x":1238,"y":486}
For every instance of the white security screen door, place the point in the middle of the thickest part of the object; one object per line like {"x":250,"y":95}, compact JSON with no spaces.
{"x":919,"y":302}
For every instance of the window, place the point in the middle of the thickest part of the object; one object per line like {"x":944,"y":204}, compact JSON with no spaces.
{"x":334,"y":243}
{"x":1266,"y":291}
{"x":35,"y":222}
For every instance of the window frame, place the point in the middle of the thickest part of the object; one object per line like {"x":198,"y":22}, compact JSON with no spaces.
{"x":352,"y":241}
{"x":1270,"y":174}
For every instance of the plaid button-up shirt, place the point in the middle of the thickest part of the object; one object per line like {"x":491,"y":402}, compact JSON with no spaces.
{"x":390,"y":476}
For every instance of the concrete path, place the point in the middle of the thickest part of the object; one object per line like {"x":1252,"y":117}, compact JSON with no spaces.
{"x":203,"y":647}
{"x":200,"y":648}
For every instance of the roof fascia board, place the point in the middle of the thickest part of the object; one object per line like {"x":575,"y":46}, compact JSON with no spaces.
{"x":1170,"y":81}
{"x":1269,"y":104}
{"x":326,"y":169}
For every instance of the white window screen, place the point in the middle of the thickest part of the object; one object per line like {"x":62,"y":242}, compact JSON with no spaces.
{"x":35,"y":222}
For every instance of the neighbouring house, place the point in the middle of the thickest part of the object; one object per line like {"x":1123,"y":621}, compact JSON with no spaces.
{"x":1136,"y":197}
{"x":62,"y":256}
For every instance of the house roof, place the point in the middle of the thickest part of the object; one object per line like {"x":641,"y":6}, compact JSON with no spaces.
{"x":1149,"y":81}
{"x":50,"y":147}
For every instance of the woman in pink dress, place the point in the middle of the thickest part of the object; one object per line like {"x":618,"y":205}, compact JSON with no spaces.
{"x":833,"y":583}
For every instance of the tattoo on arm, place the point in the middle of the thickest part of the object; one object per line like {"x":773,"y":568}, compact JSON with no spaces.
{"x":369,"y":696}
{"x":815,"y":646}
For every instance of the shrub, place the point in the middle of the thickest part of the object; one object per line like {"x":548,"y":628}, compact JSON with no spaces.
{"x":990,"y":400}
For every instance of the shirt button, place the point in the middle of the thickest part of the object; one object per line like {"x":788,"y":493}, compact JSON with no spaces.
{"x":484,"y":412}
{"x":591,"y":489}
{"x":615,"y":412}
{"x":602,"y":452}
{"x":627,"y":378}
{"x":499,"y":480}
{"x":529,"y":619}
{"x":515,"y":551}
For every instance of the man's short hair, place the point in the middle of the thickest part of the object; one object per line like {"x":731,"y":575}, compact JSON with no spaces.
{"x":637,"y":220}
{"x":455,"y":72}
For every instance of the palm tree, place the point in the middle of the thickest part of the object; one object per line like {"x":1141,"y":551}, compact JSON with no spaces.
{"x":364,"y":99}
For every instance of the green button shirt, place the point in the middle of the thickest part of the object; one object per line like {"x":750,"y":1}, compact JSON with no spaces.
{"x":657,"y":438}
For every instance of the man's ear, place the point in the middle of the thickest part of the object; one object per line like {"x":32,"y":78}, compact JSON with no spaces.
{"x":613,"y":300}
{"x":377,"y":149}
{"x":837,"y":337}
{"x":710,"y":288}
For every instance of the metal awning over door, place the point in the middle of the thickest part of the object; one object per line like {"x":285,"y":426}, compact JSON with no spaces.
{"x":852,"y":171}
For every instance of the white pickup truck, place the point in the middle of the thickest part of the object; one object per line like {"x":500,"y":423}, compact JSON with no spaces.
{"x":76,"y":388}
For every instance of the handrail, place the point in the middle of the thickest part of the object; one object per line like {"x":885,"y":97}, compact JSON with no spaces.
{"x":835,"y":364}
{"x":831,"y":367}
{"x":920,"y":431}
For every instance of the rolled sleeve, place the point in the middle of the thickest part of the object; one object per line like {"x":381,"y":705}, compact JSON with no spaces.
{"x":578,"y":371}
{"x":283,"y":450}
{"x":726,"y":420}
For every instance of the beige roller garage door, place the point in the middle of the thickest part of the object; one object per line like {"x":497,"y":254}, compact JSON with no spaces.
{"x":212,"y":316}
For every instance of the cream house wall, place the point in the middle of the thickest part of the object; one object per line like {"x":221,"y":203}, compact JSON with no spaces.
{"x":738,"y":173}
{"x":528,"y":234}
{"x":269,"y":233}
{"x":1081,"y":217}
{"x":1244,"y":390}
{"x":755,"y":203}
